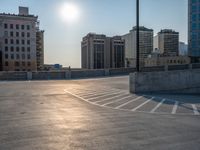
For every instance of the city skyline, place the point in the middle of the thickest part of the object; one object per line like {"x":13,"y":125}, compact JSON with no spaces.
{"x":63,"y":39}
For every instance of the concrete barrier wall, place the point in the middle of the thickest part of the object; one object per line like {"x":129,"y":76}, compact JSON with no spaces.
{"x":87,"y":74}
{"x":48,"y":75}
{"x":184,"y":81}
{"x":13,"y":75}
{"x":76,"y":74}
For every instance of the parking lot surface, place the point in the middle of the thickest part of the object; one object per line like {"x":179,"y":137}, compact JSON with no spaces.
{"x":95,"y":114}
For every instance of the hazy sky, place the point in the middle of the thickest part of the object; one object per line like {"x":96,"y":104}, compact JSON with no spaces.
{"x":110,"y":17}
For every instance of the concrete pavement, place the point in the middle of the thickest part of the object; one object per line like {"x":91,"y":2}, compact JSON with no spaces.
{"x":63,"y":115}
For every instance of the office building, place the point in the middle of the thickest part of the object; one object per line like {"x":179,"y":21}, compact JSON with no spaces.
{"x":99,"y":52}
{"x":168,"y":42}
{"x":145,"y":45}
{"x":117,"y":56}
{"x":194,"y":30}
{"x":18,"y":40}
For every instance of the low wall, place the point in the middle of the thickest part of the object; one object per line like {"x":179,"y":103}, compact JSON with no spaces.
{"x":182,"y":81}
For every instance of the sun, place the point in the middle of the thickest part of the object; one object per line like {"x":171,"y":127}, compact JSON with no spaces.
{"x":69,"y":12}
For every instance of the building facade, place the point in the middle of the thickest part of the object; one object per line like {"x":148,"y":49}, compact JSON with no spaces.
{"x":168,"y":42}
{"x":145,"y":45}
{"x":166,"y":60}
{"x":99,"y":52}
{"x":117,"y":50}
{"x":194,"y":30}
{"x":18,"y":41}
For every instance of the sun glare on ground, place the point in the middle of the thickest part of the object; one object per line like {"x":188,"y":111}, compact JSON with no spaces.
{"x":69,"y":12}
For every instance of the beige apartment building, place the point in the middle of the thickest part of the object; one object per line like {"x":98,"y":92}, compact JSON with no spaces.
{"x":168,"y":42}
{"x":18,"y":41}
{"x":100,"y":52}
{"x":145,"y":44}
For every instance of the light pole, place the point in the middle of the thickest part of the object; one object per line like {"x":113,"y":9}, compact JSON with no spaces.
{"x":137,"y":36}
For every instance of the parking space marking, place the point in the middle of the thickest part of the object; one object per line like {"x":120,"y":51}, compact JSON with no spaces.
{"x":122,"y":105}
{"x":175,"y":107}
{"x":104,"y":95}
{"x":110,"y":98}
{"x":157,"y":106}
{"x":134,"y":109}
{"x":94,"y":94}
{"x":117,"y":100}
{"x":195,"y":110}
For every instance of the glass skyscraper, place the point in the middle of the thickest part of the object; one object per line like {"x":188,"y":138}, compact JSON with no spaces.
{"x":194,"y":30}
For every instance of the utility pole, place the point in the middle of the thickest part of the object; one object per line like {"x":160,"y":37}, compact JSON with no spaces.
{"x":137,"y":36}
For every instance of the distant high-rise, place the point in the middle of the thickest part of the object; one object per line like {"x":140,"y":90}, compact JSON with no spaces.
{"x":18,"y":40}
{"x":194,"y":30}
{"x":145,"y":44}
{"x":168,"y":42}
{"x":183,"y":49}
{"x":99,"y":52}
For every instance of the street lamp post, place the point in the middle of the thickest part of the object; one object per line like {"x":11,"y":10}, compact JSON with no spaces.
{"x":137,"y":37}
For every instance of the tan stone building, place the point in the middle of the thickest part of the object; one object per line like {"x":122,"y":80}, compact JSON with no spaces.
{"x":145,"y":45}
{"x":162,"y":61}
{"x":18,"y":41}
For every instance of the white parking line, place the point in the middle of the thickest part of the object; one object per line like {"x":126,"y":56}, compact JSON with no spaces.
{"x":135,"y":99}
{"x":110,"y":98}
{"x":116,"y":100}
{"x":195,"y":110}
{"x":134,"y":109}
{"x":97,"y":93}
{"x":157,"y":106}
{"x":104,"y":95}
{"x":175,"y":107}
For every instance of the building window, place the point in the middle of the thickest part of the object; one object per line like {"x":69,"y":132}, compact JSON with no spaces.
{"x":28,"y":27}
{"x":6,"y":63}
{"x":11,"y":26}
{"x":28,"y":34}
{"x":28,"y":42}
{"x":23,"y":63}
{"x":6,"y":56}
{"x":17,"y":49}
{"x":17,"y":56}
{"x":11,"y":41}
{"x":12,"y":49}
{"x":17,"y":26}
{"x":22,"y":34}
{"x":22,"y":27}
{"x":29,"y":56}
{"x":23,"y":42}
{"x":23,"y":49}
{"x":17,"y":41}
{"x":17,"y":64}
{"x":29,"y":64}
{"x":11,"y":34}
{"x":12,"y":56}
{"x":5,"y":26}
{"x":17,"y":34}
{"x":28,"y":49}
{"x":6,"y":41}
{"x":6,"y":48}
